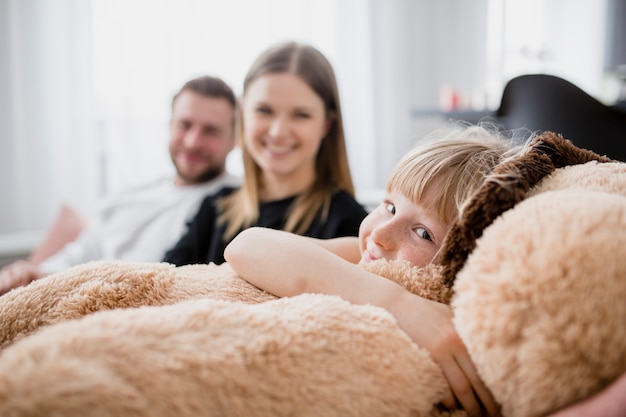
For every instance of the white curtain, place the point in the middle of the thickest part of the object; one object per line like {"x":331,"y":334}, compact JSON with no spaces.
{"x":47,"y":146}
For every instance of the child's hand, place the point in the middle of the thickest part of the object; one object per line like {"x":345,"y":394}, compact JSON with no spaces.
{"x":313,"y":268}
{"x":429,"y":324}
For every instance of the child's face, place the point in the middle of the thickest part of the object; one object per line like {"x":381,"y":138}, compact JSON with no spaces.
{"x":399,"y":229}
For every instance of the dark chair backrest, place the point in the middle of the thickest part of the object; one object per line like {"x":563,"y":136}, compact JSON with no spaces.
{"x":541,"y":102}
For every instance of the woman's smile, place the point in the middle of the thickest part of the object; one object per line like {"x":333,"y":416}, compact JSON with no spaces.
{"x":278,"y":150}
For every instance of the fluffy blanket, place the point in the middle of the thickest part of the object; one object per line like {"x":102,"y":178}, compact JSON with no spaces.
{"x":534,"y":272}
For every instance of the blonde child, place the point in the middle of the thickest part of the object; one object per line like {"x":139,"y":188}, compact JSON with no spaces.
{"x":424,"y":196}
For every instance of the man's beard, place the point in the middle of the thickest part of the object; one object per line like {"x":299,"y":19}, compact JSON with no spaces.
{"x":206,"y":176}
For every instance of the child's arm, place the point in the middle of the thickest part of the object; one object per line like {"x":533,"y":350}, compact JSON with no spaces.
{"x":345,"y":247}
{"x":285,"y":264}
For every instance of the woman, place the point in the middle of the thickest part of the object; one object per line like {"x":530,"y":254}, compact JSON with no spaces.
{"x":296,"y":172}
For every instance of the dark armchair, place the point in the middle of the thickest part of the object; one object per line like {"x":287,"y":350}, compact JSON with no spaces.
{"x":543,"y":102}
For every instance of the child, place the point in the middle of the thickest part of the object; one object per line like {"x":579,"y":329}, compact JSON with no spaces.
{"x":424,"y":196}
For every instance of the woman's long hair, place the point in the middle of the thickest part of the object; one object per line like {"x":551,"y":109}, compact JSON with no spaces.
{"x":241,"y":209}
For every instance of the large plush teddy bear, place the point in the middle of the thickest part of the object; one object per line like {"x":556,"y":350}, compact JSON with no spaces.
{"x":535,"y":272}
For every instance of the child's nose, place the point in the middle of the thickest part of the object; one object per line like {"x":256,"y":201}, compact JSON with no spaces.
{"x":385,"y":235}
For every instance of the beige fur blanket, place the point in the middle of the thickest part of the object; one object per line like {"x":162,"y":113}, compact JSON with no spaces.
{"x":206,"y":342}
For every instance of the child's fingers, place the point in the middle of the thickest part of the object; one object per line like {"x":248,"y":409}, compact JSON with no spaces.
{"x":461,"y":388}
{"x":480,"y":389}
{"x":449,"y":401}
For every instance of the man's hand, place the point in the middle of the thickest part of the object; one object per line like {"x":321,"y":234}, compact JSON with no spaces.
{"x":17,"y":274}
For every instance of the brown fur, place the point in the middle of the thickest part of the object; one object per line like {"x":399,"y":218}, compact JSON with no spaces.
{"x":504,"y":188}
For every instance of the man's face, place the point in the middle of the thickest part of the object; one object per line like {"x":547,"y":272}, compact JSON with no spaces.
{"x":201,"y":136}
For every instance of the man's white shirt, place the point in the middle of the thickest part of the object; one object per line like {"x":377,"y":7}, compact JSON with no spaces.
{"x":139,"y":224}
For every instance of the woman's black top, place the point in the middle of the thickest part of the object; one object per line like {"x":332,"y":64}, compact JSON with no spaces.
{"x":204,"y":240}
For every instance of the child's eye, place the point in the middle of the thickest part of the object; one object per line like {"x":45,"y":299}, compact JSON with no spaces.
{"x":303,"y":115}
{"x":390,"y":208}
{"x":423,"y":233}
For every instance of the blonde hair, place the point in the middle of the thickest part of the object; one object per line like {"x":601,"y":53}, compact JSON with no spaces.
{"x":451,"y":164}
{"x":241,"y":209}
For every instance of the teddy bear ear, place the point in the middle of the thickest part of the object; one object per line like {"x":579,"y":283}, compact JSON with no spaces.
{"x":544,"y":154}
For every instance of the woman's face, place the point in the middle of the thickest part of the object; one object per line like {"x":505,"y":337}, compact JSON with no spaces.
{"x":284,"y":123}
{"x":399,"y":229}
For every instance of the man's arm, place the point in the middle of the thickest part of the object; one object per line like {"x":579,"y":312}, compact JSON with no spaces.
{"x":18,"y":274}
{"x":67,"y":226}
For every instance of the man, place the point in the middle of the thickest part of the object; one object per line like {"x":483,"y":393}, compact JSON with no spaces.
{"x":142,"y":223}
